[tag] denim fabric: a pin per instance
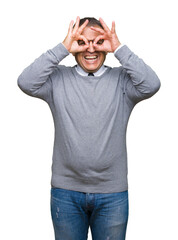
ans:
(74, 212)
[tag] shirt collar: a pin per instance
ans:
(83, 73)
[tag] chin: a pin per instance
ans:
(91, 70)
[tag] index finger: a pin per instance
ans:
(83, 26)
(98, 29)
(104, 25)
(81, 37)
(97, 39)
(76, 24)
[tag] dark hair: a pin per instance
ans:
(92, 22)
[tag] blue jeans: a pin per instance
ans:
(73, 212)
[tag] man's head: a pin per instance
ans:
(90, 60)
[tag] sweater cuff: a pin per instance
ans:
(60, 52)
(122, 54)
(121, 45)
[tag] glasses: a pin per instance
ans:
(81, 42)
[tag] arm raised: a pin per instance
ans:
(35, 79)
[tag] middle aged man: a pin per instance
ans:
(91, 104)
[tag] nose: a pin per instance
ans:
(91, 48)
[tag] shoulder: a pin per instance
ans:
(60, 70)
(59, 73)
(116, 70)
(63, 68)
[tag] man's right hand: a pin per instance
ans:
(74, 34)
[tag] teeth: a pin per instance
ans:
(91, 57)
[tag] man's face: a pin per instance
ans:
(90, 60)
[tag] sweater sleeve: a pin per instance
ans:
(139, 80)
(35, 79)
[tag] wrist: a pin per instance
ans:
(118, 44)
(121, 45)
(67, 45)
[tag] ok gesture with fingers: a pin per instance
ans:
(111, 41)
(74, 35)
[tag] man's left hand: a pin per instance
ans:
(111, 41)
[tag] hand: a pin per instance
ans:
(74, 35)
(111, 41)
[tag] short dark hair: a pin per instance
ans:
(92, 22)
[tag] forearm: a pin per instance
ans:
(142, 81)
(37, 74)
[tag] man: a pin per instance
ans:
(91, 104)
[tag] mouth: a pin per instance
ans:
(91, 58)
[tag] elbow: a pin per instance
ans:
(152, 87)
(20, 82)
(153, 82)
(156, 84)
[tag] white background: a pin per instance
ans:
(31, 27)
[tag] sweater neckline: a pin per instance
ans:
(90, 77)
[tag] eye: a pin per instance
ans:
(81, 42)
(100, 41)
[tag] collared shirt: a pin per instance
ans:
(98, 73)
(101, 70)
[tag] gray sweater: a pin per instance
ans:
(90, 117)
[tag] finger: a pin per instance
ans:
(82, 48)
(113, 27)
(70, 26)
(83, 26)
(97, 39)
(76, 24)
(97, 29)
(81, 37)
(98, 47)
(104, 25)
